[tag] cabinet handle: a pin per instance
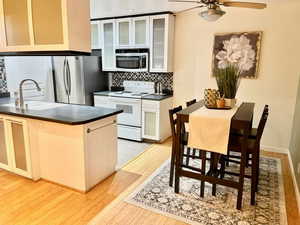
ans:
(89, 130)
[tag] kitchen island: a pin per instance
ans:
(71, 145)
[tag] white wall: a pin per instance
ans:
(279, 66)
(37, 68)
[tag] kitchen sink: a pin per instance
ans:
(37, 105)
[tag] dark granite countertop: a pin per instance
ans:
(153, 97)
(102, 93)
(66, 114)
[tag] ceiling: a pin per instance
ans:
(113, 8)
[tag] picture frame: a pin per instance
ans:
(240, 48)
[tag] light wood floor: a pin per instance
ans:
(23, 202)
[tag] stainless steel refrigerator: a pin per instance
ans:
(77, 77)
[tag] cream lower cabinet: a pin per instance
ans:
(75, 156)
(101, 150)
(4, 153)
(14, 147)
(155, 119)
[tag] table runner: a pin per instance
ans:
(209, 129)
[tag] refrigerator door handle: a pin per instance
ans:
(69, 78)
(65, 76)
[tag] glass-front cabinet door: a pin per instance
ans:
(150, 124)
(4, 154)
(140, 31)
(161, 43)
(96, 37)
(158, 43)
(108, 45)
(123, 32)
(19, 145)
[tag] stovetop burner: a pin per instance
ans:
(135, 89)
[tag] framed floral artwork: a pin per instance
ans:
(239, 49)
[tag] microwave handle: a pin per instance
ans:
(141, 62)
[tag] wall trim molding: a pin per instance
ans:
(297, 191)
(287, 152)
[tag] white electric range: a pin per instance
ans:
(130, 101)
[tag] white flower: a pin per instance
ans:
(237, 51)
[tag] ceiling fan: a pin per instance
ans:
(214, 11)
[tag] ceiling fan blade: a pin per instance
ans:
(189, 1)
(189, 9)
(251, 5)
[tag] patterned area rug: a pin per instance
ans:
(156, 195)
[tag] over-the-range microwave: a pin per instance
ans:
(132, 60)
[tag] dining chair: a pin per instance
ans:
(253, 149)
(253, 132)
(189, 103)
(173, 122)
(252, 135)
(192, 102)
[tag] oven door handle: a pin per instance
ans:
(125, 101)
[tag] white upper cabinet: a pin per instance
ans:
(140, 31)
(132, 32)
(123, 33)
(108, 45)
(96, 34)
(48, 25)
(155, 33)
(161, 43)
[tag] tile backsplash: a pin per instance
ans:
(166, 79)
(3, 82)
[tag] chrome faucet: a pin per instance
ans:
(21, 90)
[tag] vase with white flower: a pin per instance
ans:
(228, 81)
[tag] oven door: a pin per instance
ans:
(132, 62)
(131, 107)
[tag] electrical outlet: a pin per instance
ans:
(298, 168)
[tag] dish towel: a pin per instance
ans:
(209, 129)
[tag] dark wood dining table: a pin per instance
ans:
(242, 120)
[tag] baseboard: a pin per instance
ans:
(275, 149)
(287, 152)
(294, 181)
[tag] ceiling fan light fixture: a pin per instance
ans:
(212, 14)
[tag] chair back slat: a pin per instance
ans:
(192, 102)
(262, 123)
(173, 119)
